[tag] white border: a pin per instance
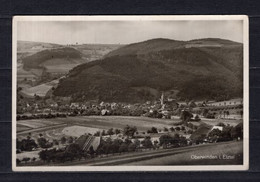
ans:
(245, 165)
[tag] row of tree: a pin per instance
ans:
(28, 144)
(228, 133)
(110, 132)
(40, 116)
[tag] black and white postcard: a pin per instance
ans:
(130, 93)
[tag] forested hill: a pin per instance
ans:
(196, 69)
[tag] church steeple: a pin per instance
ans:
(162, 98)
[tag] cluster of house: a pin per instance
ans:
(165, 105)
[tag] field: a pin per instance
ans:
(21, 127)
(77, 131)
(76, 126)
(234, 149)
(50, 129)
(106, 122)
(231, 122)
(37, 123)
(40, 90)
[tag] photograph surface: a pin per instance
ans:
(130, 93)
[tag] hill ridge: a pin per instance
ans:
(206, 71)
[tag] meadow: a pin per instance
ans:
(185, 158)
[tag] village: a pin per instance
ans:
(195, 123)
(41, 107)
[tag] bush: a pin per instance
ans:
(147, 143)
(63, 140)
(43, 143)
(172, 129)
(152, 130)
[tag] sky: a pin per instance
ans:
(126, 32)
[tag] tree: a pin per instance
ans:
(177, 128)
(110, 131)
(205, 112)
(63, 140)
(175, 139)
(215, 132)
(115, 145)
(185, 116)
(18, 161)
(103, 133)
(172, 129)
(224, 114)
(19, 89)
(26, 144)
(70, 140)
(131, 147)
(226, 134)
(153, 130)
(117, 131)
(26, 159)
(241, 113)
(183, 128)
(227, 113)
(165, 129)
(147, 143)
(42, 142)
(189, 131)
(43, 155)
(129, 131)
(221, 124)
(37, 97)
(137, 143)
(127, 141)
(165, 140)
(91, 151)
(182, 141)
(97, 133)
(33, 159)
(73, 150)
(237, 131)
(199, 139)
(55, 142)
(155, 143)
(123, 147)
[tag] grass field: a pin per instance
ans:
(231, 122)
(40, 90)
(186, 158)
(36, 123)
(75, 126)
(21, 127)
(77, 131)
(106, 122)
